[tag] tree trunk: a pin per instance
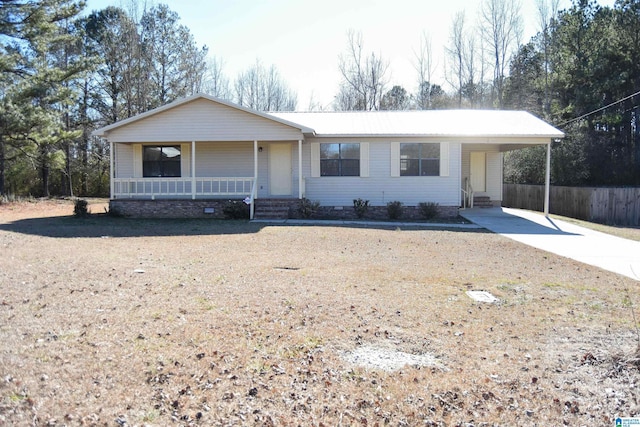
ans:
(45, 180)
(636, 146)
(67, 182)
(2, 166)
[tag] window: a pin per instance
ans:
(419, 159)
(339, 159)
(161, 161)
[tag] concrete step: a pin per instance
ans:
(482, 202)
(272, 214)
(272, 209)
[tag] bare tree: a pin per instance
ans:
(363, 77)
(471, 88)
(456, 55)
(547, 13)
(501, 28)
(263, 89)
(215, 82)
(314, 104)
(424, 67)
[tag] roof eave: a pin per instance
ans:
(422, 135)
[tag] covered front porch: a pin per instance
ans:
(207, 170)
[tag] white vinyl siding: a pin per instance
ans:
(395, 159)
(185, 160)
(295, 169)
(224, 159)
(203, 120)
(124, 161)
(137, 161)
(364, 159)
(263, 170)
(444, 159)
(494, 175)
(315, 159)
(379, 188)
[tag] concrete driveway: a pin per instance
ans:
(602, 250)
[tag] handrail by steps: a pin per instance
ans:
(467, 200)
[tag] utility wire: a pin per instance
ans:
(598, 110)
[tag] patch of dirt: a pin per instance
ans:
(114, 321)
(372, 357)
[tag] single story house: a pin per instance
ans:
(189, 157)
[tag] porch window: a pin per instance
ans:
(161, 161)
(340, 159)
(420, 159)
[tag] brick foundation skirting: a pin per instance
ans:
(168, 208)
(187, 208)
(380, 213)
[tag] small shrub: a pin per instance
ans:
(81, 208)
(428, 210)
(308, 208)
(394, 209)
(236, 209)
(360, 207)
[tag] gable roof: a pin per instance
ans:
(106, 129)
(445, 123)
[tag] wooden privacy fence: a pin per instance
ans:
(617, 205)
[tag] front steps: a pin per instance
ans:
(274, 208)
(482, 202)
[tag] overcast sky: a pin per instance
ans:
(303, 39)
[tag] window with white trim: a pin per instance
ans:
(161, 161)
(419, 159)
(340, 159)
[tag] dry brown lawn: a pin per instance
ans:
(111, 321)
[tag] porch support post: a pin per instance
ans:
(254, 187)
(300, 181)
(193, 170)
(547, 180)
(111, 170)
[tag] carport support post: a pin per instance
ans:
(547, 180)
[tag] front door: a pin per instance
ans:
(478, 171)
(280, 169)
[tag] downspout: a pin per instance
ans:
(547, 180)
(300, 182)
(111, 170)
(193, 170)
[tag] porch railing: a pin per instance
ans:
(182, 187)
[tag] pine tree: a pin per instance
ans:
(35, 34)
